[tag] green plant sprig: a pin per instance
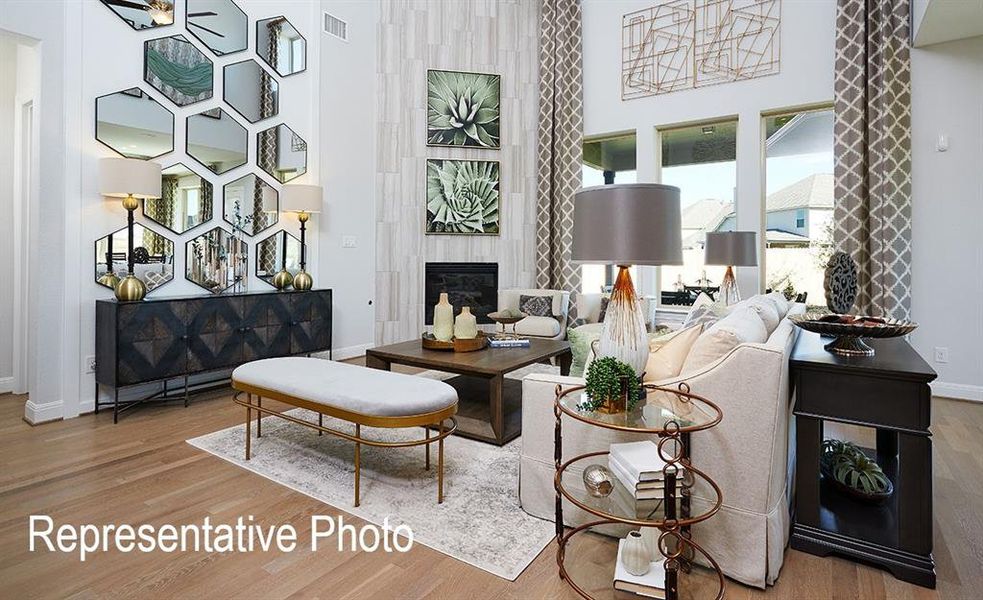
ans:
(604, 377)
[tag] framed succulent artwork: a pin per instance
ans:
(463, 109)
(462, 197)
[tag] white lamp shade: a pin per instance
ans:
(301, 198)
(122, 177)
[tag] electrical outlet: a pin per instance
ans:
(941, 354)
(90, 364)
(348, 241)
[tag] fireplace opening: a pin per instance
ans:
(466, 284)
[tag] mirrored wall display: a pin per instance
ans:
(185, 202)
(278, 252)
(251, 90)
(281, 153)
(216, 140)
(219, 24)
(178, 70)
(143, 14)
(281, 46)
(134, 124)
(153, 257)
(215, 259)
(251, 204)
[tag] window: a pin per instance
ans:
(607, 160)
(798, 201)
(701, 160)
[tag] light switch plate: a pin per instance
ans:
(348, 241)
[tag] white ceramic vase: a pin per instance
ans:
(623, 334)
(466, 325)
(650, 538)
(635, 555)
(443, 320)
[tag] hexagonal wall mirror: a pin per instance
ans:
(216, 140)
(278, 252)
(143, 14)
(153, 257)
(212, 258)
(177, 69)
(185, 202)
(250, 204)
(134, 124)
(251, 90)
(219, 24)
(281, 45)
(281, 153)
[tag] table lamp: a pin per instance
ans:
(731, 249)
(304, 200)
(130, 179)
(623, 225)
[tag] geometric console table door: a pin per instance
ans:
(162, 339)
(890, 393)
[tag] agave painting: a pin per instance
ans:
(462, 196)
(463, 109)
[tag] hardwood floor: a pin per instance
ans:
(141, 471)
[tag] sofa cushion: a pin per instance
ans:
(580, 339)
(766, 309)
(781, 303)
(668, 353)
(536, 306)
(741, 326)
(538, 326)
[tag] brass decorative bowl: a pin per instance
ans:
(849, 334)
(504, 319)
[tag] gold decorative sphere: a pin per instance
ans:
(282, 280)
(130, 289)
(303, 281)
(109, 280)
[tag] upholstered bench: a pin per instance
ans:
(359, 395)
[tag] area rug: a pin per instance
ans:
(480, 521)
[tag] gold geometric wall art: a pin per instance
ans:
(683, 44)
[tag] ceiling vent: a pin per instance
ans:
(336, 27)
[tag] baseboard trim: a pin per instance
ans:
(350, 351)
(44, 413)
(6, 385)
(959, 391)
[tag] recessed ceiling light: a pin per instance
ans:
(708, 129)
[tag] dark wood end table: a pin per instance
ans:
(489, 407)
(889, 392)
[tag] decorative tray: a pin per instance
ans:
(456, 344)
(849, 330)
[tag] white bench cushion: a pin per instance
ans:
(348, 387)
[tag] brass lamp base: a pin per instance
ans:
(303, 281)
(283, 280)
(130, 289)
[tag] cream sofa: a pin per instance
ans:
(747, 454)
(554, 327)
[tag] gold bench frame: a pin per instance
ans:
(426, 420)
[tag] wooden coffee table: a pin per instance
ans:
(489, 405)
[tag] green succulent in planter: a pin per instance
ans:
(463, 109)
(603, 388)
(462, 196)
(847, 465)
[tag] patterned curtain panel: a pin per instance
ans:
(873, 150)
(560, 144)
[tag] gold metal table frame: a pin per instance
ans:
(426, 421)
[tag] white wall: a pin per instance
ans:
(947, 212)
(806, 77)
(348, 166)
(8, 89)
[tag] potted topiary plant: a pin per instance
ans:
(849, 470)
(612, 387)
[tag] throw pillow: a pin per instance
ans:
(536, 306)
(668, 353)
(781, 302)
(741, 326)
(605, 300)
(766, 309)
(580, 339)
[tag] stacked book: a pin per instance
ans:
(638, 467)
(509, 343)
(652, 584)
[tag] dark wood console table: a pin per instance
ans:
(889, 392)
(162, 339)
